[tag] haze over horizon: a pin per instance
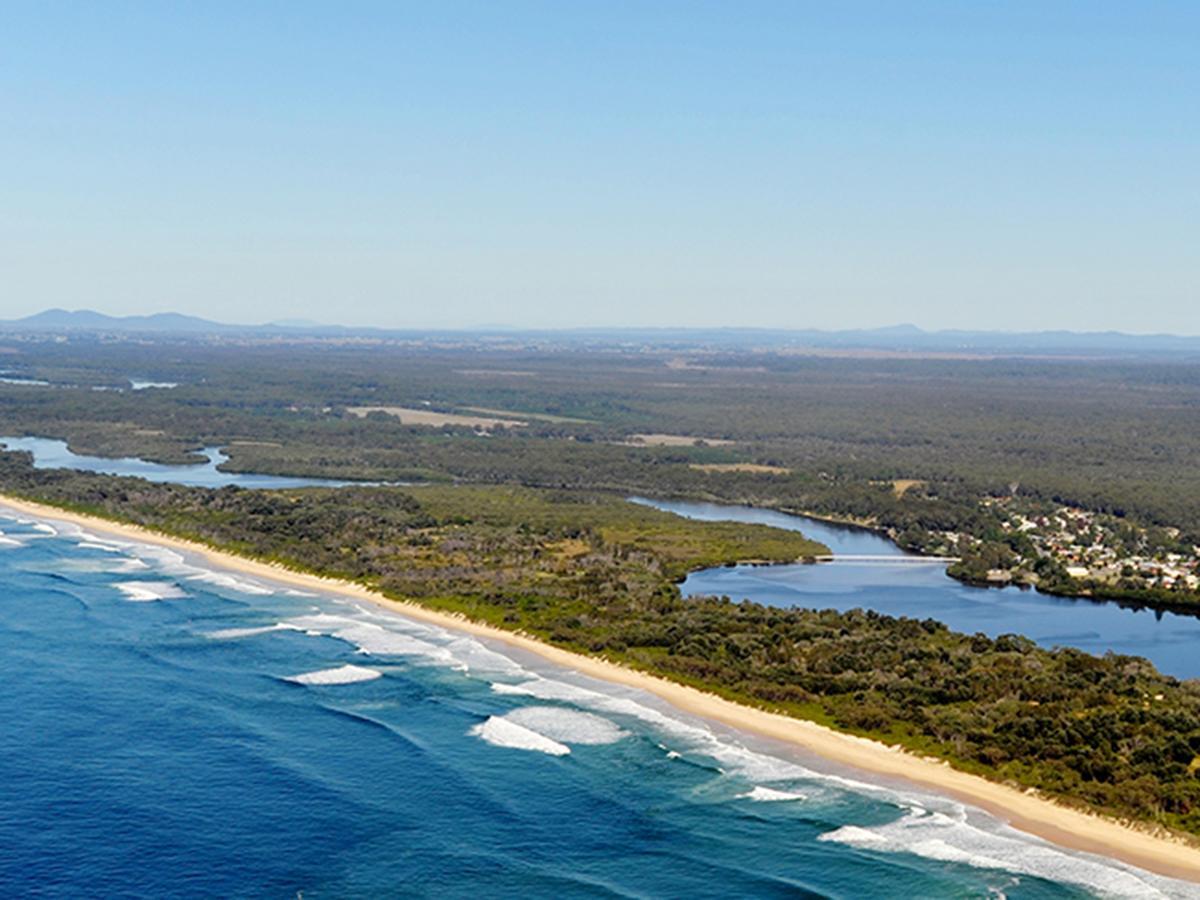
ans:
(891, 334)
(1016, 167)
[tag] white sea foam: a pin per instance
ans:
(568, 726)
(233, 633)
(440, 645)
(374, 639)
(750, 764)
(934, 835)
(147, 591)
(162, 558)
(45, 528)
(116, 566)
(550, 689)
(854, 836)
(81, 534)
(500, 732)
(943, 833)
(762, 794)
(225, 580)
(130, 561)
(347, 674)
(502, 688)
(386, 635)
(476, 657)
(6, 541)
(97, 545)
(171, 562)
(950, 837)
(109, 565)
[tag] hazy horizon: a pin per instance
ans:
(1015, 167)
(877, 330)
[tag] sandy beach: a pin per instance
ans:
(1044, 818)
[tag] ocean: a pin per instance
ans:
(171, 730)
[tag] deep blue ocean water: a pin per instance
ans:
(168, 730)
(923, 590)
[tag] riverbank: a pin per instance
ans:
(1067, 827)
(1157, 600)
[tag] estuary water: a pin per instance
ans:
(173, 730)
(903, 584)
(49, 453)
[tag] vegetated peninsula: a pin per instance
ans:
(1074, 475)
(593, 574)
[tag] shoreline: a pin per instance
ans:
(1086, 595)
(1067, 827)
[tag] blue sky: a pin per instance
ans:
(975, 164)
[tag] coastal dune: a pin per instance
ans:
(1037, 815)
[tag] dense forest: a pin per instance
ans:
(832, 436)
(595, 574)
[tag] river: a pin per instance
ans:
(908, 587)
(917, 589)
(49, 453)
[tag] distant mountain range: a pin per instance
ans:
(87, 320)
(896, 338)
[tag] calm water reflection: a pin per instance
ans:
(53, 454)
(1169, 640)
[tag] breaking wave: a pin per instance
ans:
(568, 726)
(233, 633)
(762, 794)
(925, 826)
(148, 591)
(347, 674)
(373, 639)
(501, 732)
(225, 580)
(950, 837)
(389, 635)
(693, 737)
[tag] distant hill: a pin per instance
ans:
(893, 339)
(89, 320)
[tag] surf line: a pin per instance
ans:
(1040, 816)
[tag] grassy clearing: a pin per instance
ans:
(673, 440)
(434, 419)
(752, 468)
